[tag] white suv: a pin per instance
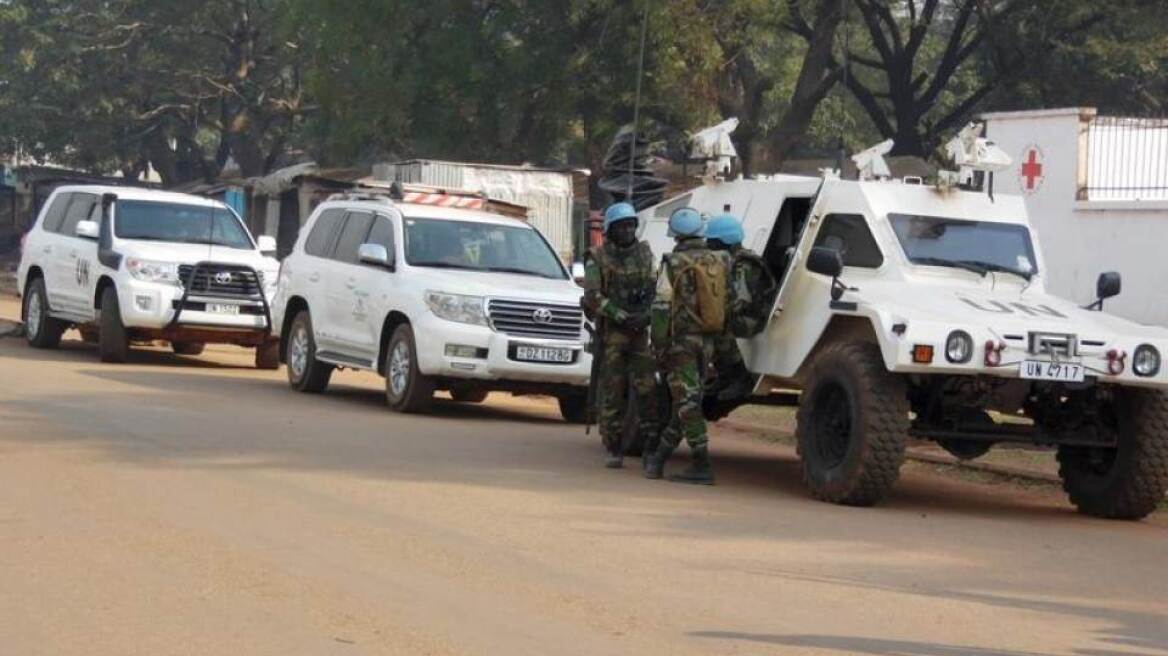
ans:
(432, 298)
(125, 264)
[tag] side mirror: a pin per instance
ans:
(825, 261)
(88, 229)
(1107, 286)
(375, 255)
(578, 272)
(266, 244)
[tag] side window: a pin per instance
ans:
(79, 210)
(849, 234)
(323, 233)
(356, 229)
(382, 233)
(56, 213)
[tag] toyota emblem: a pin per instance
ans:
(223, 278)
(542, 315)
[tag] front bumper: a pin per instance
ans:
(154, 306)
(433, 335)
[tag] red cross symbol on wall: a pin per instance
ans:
(1032, 170)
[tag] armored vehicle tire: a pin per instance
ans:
(113, 342)
(41, 330)
(305, 372)
(852, 425)
(406, 388)
(267, 356)
(468, 395)
(187, 348)
(1127, 482)
(574, 407)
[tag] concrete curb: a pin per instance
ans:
(917, 455)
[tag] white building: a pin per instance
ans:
(1096, 189)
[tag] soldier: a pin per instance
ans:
(752, 290)
(618, 287)
(688, 311)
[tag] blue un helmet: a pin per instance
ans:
(685, 222)
(618, 212)
(726, 228)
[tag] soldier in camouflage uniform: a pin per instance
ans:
(752, 290)
(683, 348)
(619, 279)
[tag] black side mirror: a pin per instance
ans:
(1107, 286)
(825, 261)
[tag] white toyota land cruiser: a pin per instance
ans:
(124, 264)
(432, 298)
(918, 310)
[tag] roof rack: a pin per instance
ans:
(369, 189)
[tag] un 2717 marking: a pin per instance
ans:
(1058, 371)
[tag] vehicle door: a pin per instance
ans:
(802, 309)
(76, 258)
(375, 287)
(343, 308)
(45, 244)
(310, 273)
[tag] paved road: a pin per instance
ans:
(196, 506)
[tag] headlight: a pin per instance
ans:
(268, 280)
(1146, 361)
(457, 307)
(153, 271)
(958, 347)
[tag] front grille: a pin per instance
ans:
(220, 280)
(519, 318)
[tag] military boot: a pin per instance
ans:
(615, 459)
(700, 472)
(652, 441)
(655, 465)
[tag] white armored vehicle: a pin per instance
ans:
(914, 310)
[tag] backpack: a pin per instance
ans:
(710, 276)
(750, 306)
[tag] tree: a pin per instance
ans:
(932, 62)
(114, 85)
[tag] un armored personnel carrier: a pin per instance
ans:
(920, 310)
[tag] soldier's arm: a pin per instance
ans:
(595, 301)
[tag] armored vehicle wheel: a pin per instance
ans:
(113, 342)
(41, 330)
(852, 425)
(187, 348)
(1127, 482)
(305, 372)
(407, 389)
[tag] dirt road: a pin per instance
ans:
(196, 506)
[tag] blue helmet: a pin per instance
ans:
(618, 212)
(685, 222)
(726, 228)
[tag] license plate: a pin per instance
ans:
(219, 308)
(543, 354)
(1058, 371)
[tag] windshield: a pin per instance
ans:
(480, 247)
(186, 224)
(979, 246)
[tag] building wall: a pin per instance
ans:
(1082, 238)
(548, 194)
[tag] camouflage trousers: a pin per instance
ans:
(627, 361)
(728, 361)
(684, 365)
